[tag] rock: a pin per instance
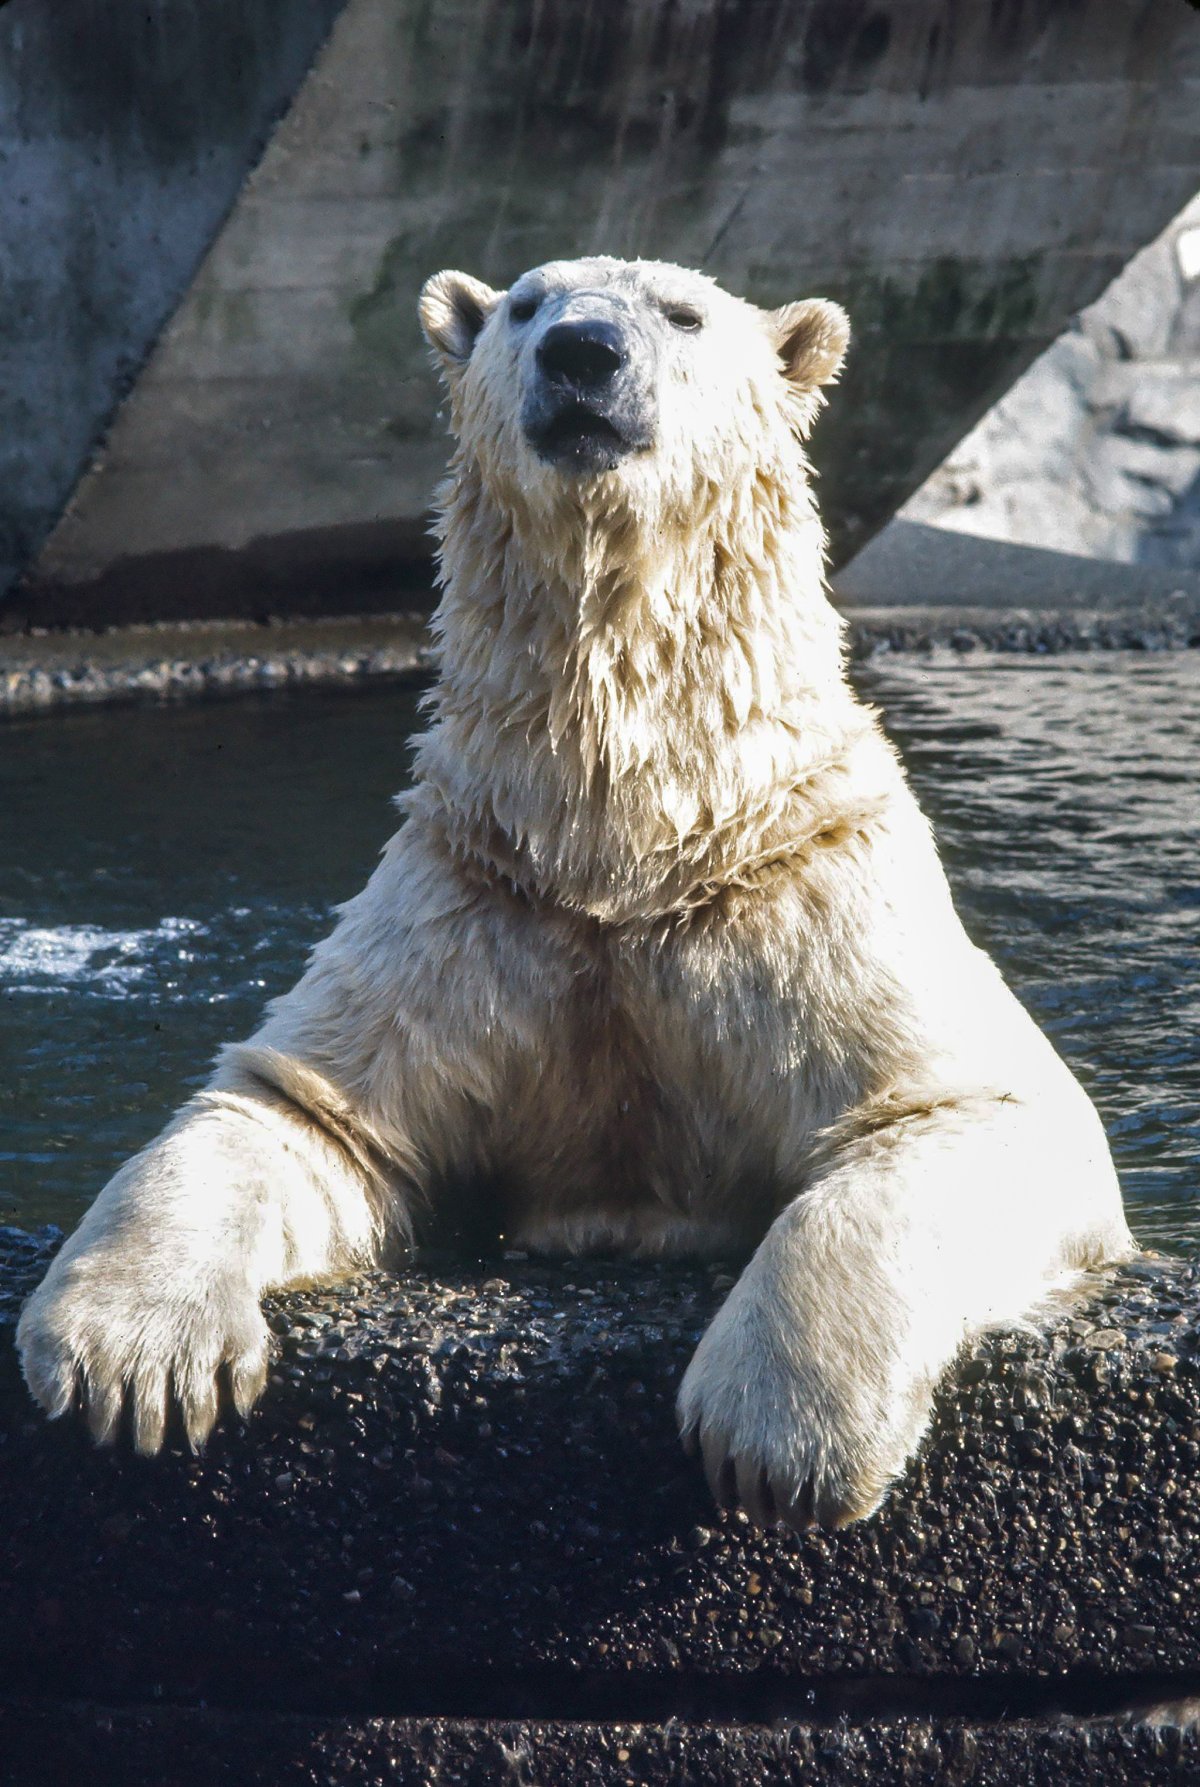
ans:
(1165, 405)
(210, 660)
(1094, 451)
(539, 1550)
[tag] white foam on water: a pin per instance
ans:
(48, 959)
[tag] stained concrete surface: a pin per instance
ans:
(963, 178)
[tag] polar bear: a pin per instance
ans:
(662, 959)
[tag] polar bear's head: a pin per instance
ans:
(637, 382)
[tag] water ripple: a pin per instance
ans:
(88, 959)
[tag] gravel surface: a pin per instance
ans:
(460, 1523)
(463, 1495)
(46, 1746)
(965, 630)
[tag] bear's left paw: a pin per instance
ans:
(799, 1434)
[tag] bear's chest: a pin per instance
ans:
(663, 1112)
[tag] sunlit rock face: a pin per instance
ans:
(1096, 450)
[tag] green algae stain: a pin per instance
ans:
(953, 300)
(382, 317)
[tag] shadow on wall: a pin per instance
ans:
(1174, 540)
(125, 135)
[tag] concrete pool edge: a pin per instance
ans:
(53, 672)
(461, 1519)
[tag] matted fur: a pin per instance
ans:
(662, 958)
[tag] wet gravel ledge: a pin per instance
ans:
(47, 1744)
(1152, 628)
(48, 672)
(463, 1497)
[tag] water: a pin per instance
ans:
(1064, 792)
(163, 871)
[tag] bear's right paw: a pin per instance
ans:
(106, 1340)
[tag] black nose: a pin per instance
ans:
(583, 354)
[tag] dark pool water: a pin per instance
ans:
(164, 870)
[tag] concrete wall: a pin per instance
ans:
(125, 133)
(962, 176)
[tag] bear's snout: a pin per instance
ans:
(586, 355)
(589, 402)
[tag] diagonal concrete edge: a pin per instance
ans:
(125, 135)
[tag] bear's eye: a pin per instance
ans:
(681, 316)
(521, 309)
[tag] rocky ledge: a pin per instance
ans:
(1025, 615)
(210, 660)
(460, 1527)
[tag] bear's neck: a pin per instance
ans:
(633, 711)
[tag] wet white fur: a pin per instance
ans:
(664, 939)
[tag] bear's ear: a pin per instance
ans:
(453, 309)
(811, 339)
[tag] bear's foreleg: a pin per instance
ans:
(306, 1157)
(812, 1388)
(155, 1296)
